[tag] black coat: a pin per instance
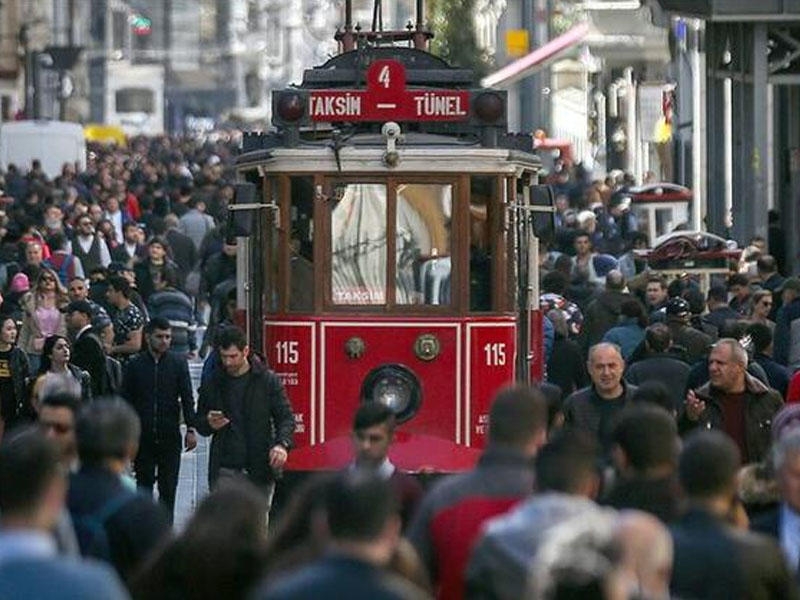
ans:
(566, 367)
(158, 391)
(133, 531)
(184, 252)
(268, 420)
(715, 561)
(20, 378)
(87, 353)
(664, 368)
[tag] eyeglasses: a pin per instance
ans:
(59, 428)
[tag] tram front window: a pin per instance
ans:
(358, 244)
(423, 243)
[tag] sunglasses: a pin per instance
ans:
(50, 279)
(59, 428)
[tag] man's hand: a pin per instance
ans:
(217, 420)
(278, 456)
(190, 441)
(694, 406)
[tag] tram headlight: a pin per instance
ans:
(291, 106)
(489, 106)
(396, 387)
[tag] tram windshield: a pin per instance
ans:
(421, 233)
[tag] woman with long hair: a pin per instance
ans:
(42, 316)
(14, 376)
(54, 365)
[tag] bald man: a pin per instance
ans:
(594, 408)
(646, 553)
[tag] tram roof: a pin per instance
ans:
(418, 153)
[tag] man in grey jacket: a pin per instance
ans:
(566, 483)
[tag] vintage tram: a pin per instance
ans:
(388, 251)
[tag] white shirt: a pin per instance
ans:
(789, 535)
(384, 471)
(86, 244)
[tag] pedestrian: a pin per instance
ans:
(56, 364)
(87, 350)
(712, 559)
(128, 320)
(645, 454)
(362, 519)
(566, 485)
(42, 315)
(660, 365)
(594, 408)
(113, 523)
(695, 343)
(156, 382)
(244, 407)
(719, 311)
(15, 407)
(32, 491)
(220, 553)
(628, 333)
(603, 312)
(373, 434)
(787, 334)
(88, 246)
(450, 516)
(761, 309)
(777, 375)
(733, 401)
(566, 367)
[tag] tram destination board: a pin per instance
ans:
(387, 99)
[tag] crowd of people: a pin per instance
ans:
(660, 456)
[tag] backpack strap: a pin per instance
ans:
(110, 508)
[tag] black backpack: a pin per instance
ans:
(90, 529)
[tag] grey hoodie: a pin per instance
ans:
(502, 557)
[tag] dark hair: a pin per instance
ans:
(230, 336)
(161, 323)
(370, 414)
(47, 350)
(648, 436)
(29, 461)
(761, 336)
(766, 263)
(733, 329)
(555, 282)
(106, 428)
(518, 413)
(358, 505)
(566, 461)
(658, 337)
(697, 303)
(738, 279)
(57, 241)
(718, 293)
(659, 280)
(677, 287)
(232, 517)
(120, 284)
(582, 233)
(633, 309)
(62, 399)
(656, 393)
(708, 464)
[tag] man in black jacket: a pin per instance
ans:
(87, 350)
(712, 559)
(244, 407)
(157, 383)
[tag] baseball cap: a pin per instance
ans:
(81, 306)
(677, 307)
(793, 283)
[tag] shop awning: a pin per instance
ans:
(538, 59)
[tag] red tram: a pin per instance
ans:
(388, 250)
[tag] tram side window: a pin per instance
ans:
(358, 244)
(482, 190)
(301, 245)
(423, 243)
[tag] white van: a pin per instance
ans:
(52, 142)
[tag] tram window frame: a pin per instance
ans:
(324, 237)
(497, 240)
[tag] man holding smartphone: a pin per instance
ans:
(244, 407)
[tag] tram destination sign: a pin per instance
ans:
(387, 99)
